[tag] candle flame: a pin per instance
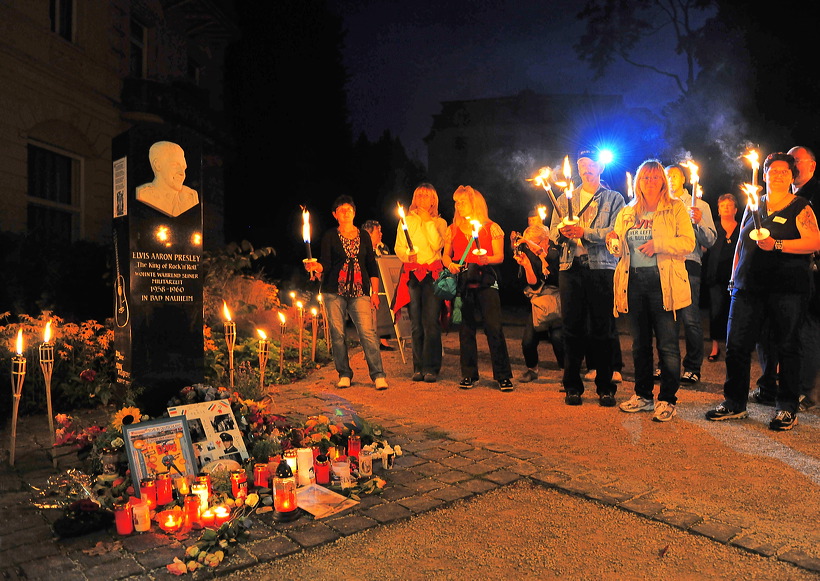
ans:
(305, 225)
(319, 297)
(401, 215)
(225, 311)
(542, 212)
(282, 318)
(314, 311)
(567, 168)
(752, 199)
(476, 227)
(47, 333)
(262, 334)
(753, 158)
(20, 342)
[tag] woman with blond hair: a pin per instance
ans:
(652, 237)
(478, 283)
(422, 265)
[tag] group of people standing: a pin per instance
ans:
(608, 256)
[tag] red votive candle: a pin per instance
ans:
(354, 445)
(148, 491)
(208, 518)
(221, 515)
(191, 510)
(239, 484)
(322, 468)
(124, 518)
(261, 475)
(165, 489)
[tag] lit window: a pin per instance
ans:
(53, 195)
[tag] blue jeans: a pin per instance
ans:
(425, 308)
(586, 310)
(647, 317)
(690, 318)
(362, 315)
(784, 312)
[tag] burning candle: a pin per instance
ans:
(205, 479)
(301, 308)
(230, 338)
(404, 227)
(284, 493)
(542, 179)
(754, 161)
(200, 490)
(281, 343)
(753, 205)
(208, 518)
(47, 367)
(239, 484)
(322, 469)
(170, 520)
(354, 445)
(222, 514)
(18, 377)
(694, 179)
(478, 250)
(313, 330)
(264, 348)
(570, 218)
(148, 491)
(306, 234)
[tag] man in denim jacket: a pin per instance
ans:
(585, 279)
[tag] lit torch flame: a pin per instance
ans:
(542, 212)
(305, 225)
(20, 342)
(262, 334)
(694, 178)
(225, 312)
(47, 333)
(282, 318)
(752, 199)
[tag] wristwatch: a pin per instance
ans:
(778, 245)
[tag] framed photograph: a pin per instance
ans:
(157, 446)
(215, 434)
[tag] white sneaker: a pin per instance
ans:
(664, 411)
(637, 404)
(343, 382)
(381, 383)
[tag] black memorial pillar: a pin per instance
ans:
(158, 300)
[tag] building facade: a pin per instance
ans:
(76, 73)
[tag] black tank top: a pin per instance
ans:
(759, 270)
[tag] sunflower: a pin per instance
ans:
(125, 417)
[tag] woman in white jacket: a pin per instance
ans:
(652, 237)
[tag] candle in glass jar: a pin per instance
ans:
(221, 515)
(124, 518)
(366, 463)
(148, 491)
(170, 521)
(191, 510)
(239, 484)
(260, 475)
(142, 516)
(165, 489)
(354, 445)
(322, 469)
(208, 518)
(201, 491)
(205, 479)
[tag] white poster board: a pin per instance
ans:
(214, 431)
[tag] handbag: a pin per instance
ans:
(446, 285)
(546, 306)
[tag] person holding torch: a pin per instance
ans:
(350, 287)
(771, 282)
(419, 243)
(585, 280)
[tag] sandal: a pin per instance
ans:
(714, 356)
